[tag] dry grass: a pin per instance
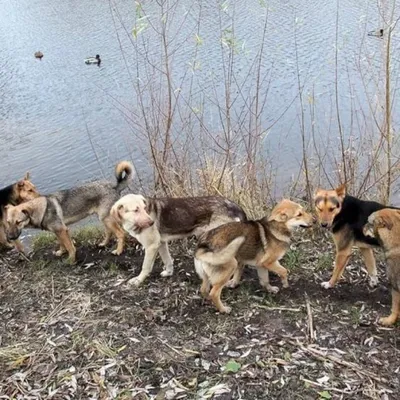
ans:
(81, 332)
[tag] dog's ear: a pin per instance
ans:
(341, 190)
(27, 176)
(384, 221)
(115, 212)
(279, 216)
(316, 191)
(26, 212)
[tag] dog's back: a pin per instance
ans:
(189, 214)
(354, 214)
(94, 197)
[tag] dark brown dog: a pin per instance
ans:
(17, 193)
(260, 243)
(384, 225)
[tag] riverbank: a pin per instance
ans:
(80, 331)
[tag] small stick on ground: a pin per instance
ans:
(323, 356)
(310, 321)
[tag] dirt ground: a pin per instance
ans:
(80, 332)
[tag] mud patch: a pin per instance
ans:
(81, 332)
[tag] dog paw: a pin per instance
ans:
(58, 253)
(373, 281)
(232, 284)
(326, 285)
(225, 310)
(166, 273)
(135, 282)
(102, 244)
(116, 252)
(272, 289)
(387, 321)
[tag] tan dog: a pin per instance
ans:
(155, 222)
(384, 225)
(43, 213)
(346, 216)
(17, 193)
(261, 244)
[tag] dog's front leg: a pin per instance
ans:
(167, 260)
(148, 262)
(341, 259)
(263, 276)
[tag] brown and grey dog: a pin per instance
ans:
(155, 222)
(43, 213)
(221, 252)
(14, 194)
(346, 216)
(72, 205)
(384, 225)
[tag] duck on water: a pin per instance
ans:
(93, 60)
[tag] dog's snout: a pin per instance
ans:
(151, 222)
(324, 224)
(12, 235)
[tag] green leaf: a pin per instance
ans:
(232, 366)
(325, 395)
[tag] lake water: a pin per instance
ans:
(65, 121)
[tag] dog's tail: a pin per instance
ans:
(123, 172)
(209, 256)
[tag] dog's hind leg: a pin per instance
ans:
(219, 279)
(113, 228)
(167, 260)
(237, 276)
(369, 259)
(60, 251)
(66, 242)
(205, 284)
(392, 318)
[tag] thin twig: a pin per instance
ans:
(310, 322)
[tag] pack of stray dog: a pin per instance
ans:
(227, 240)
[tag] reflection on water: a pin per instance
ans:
(60, 116)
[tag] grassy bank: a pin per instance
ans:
(81, 332)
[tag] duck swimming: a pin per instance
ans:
(39, 55)
(377, 33)
(93, 60)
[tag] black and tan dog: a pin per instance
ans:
(260, 243)
(384, 225)
(346, 216)
(14, 194)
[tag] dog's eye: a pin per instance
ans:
(320, 209)
(331, 209)
(300, 214)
